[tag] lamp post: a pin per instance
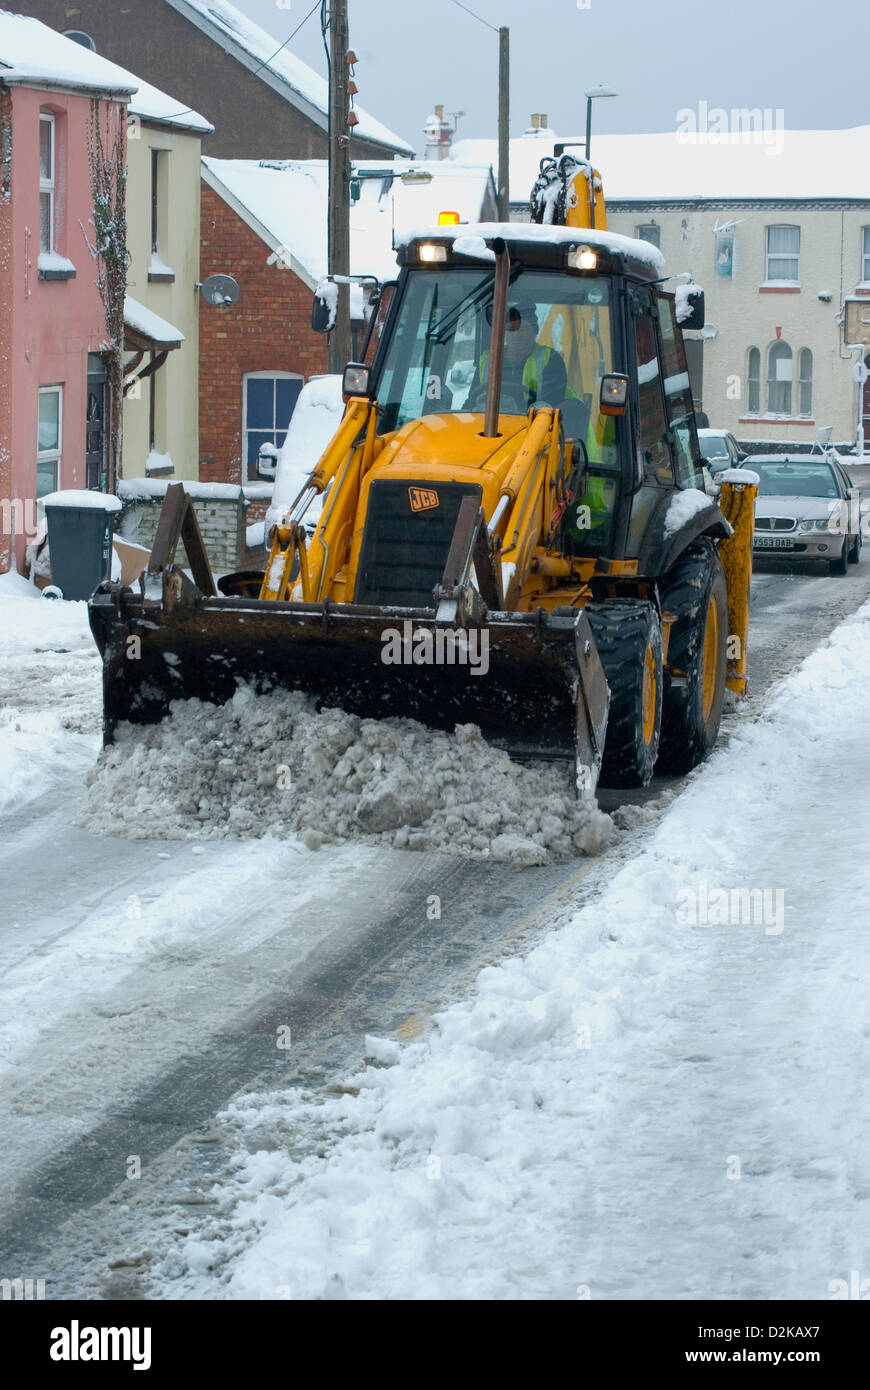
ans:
(590, 97)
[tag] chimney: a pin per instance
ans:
(439, 133)
(537, 123)
(544, 121)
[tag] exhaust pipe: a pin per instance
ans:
(496, 342)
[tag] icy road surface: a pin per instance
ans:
(145, 983)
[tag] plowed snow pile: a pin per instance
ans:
(273, 765)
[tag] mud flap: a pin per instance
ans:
(534, 685)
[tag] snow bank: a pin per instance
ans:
(49, 691)
(317, 415)
(576, 1127)
(272, 765)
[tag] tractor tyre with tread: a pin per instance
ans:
(695, 590)
(628, 635)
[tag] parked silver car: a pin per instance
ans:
(806, 509)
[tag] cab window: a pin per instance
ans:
(678, 397)
(652, 423)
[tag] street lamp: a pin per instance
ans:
(590, 97)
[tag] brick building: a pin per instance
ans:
(265, 224)
(246, 349)
(216, 60)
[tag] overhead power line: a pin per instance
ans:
(493, 27)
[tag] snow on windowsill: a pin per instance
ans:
(781, 286)
(158, 269)
(159, 463)
(775, 420)
(52, 266)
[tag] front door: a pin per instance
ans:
(96, 418)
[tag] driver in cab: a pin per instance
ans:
(530, 372)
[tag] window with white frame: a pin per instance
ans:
(268, 401)
(651, 232)
(783, 254)
(865, 254)
(779, 379)
(753, 382)
(46, 181)
(805, 383)
(50, 439)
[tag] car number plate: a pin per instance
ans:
(773, 542)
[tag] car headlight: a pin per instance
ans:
(806, 525)
(823, 525)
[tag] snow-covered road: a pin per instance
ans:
(145, 981)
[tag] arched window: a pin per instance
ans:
(779, 378)
(753, 382)
(805, 372)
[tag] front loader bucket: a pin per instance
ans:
(533, 684)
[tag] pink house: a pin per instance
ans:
(53, 392)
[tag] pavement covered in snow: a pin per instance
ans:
(49, 691)
(665, 1096)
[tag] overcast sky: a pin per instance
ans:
(659, 55)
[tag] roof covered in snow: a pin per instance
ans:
(678, 166)
(285, 202)
(32, 54)
(264, 56)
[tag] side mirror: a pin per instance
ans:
(324, 307)
(356, 380)
(613, 396)
(690, 307)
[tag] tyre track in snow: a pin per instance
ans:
(357, 955)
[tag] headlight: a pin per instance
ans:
(806, 525)
(823, 525)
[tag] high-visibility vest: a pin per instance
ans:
(533, 368)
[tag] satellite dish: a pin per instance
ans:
(220, 290)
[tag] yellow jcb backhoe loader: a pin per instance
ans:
(514, 529)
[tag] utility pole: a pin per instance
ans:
(504, 111)
(339, 346)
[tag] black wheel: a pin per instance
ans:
(855, 552)
(839, 565)
(628, 635)
(695, 590)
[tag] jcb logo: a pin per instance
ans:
(422, 499)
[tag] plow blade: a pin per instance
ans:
(534, 685)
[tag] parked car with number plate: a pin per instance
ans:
(805, 510)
